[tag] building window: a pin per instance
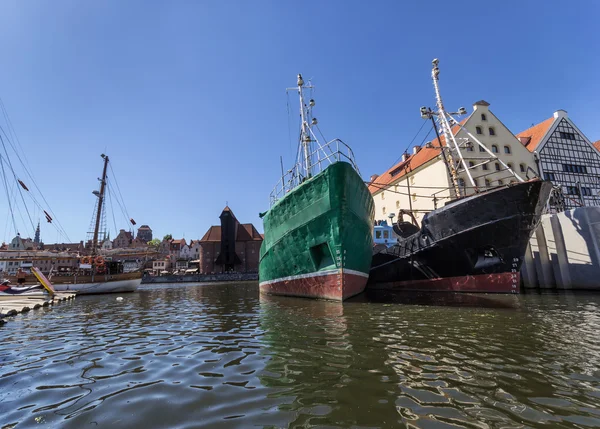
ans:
(572, 190)
(573, 168)
(507, 149)
(397, 204)
(549, 176)
(488, 183)
(484, 166)
(567, 136)
(471, 164)
(500, 182)
(470, 147)
(483, 117)
(383, 210)
(481, 149)
(587, 192)
(494, 148)
(492, 131)
(523, 168)
(461, 182)
(497, 166)
(414, 197)
(383, 195)
(475, 181)
(510, 165)
(478, 130)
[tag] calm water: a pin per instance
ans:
(177, 356)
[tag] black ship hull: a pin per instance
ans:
(474, 244)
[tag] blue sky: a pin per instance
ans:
(188, 97)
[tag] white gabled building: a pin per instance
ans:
(566, 157)
(420, 182)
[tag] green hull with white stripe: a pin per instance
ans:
(323, 225)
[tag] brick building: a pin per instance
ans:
(144, 233)
(123, 240)
(230, 246)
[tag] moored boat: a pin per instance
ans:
(475, 243)
(318, 231)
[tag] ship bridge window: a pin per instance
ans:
(378, 234)
(494, 148)
(386, 234)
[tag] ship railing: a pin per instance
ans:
(329, 153)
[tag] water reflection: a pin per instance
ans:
(191, 356)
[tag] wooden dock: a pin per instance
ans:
(23, 305)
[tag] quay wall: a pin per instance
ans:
(564, 252)
(202, 278)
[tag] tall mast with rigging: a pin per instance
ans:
(305, 138)
(452, 153)
(100, 196)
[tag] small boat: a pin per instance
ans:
(318, 231)
(475, 243)
(10, 292)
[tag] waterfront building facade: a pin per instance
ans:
(144, 233)
(123, 239)
(420, 181)
(230, 246)
(566, 157)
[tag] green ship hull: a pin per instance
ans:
(319, 237)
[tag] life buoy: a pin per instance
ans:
(85, 260)
(99, 260)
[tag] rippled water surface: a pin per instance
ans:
(188, 356)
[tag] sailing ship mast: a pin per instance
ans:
(100, 196)
(452, 153)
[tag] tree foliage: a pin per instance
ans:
(154, 243)
(167, 237)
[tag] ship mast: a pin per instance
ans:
(305, 139)
(452, 154)
(100, 201)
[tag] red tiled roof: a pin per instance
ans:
(213, 234)
(532, 137)
(597, 144)
(245, 232)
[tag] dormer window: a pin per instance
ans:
(494, 148)
(478, 130)
(483, 117)
(492, 131)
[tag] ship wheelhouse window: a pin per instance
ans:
(483, 117)
(386, 234)
(478, 130)
(507, 149)
(378, 234)
(492, 131)
(494, 148)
